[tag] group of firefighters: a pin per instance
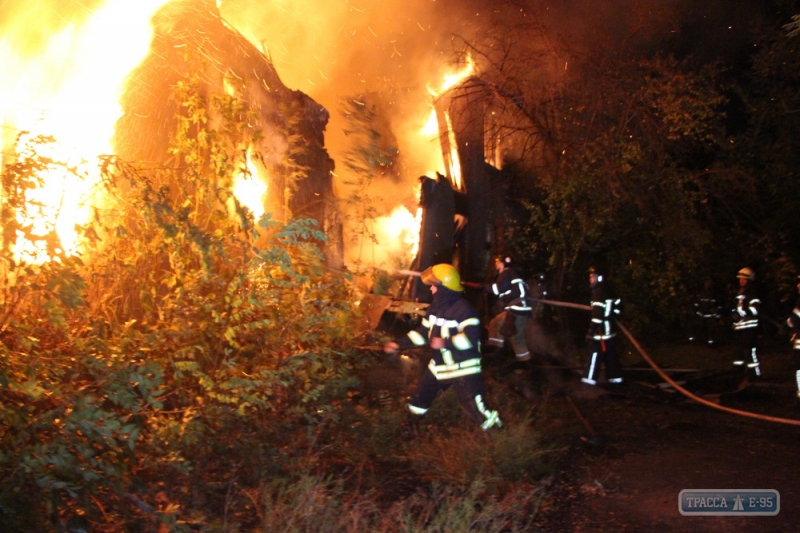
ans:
(452, 329)
(746, 316)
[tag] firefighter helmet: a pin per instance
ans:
(598, 274)
(443, 275)
(505, 259)
(746, 273)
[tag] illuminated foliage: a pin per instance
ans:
(170, 335)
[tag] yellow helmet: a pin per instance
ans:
(442, 275)
(746, 273)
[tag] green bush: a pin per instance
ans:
(178, 330)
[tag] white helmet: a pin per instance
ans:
(746, 273)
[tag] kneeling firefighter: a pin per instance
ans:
(453, 331)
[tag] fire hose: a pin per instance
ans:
(650, 362)
(669, 380)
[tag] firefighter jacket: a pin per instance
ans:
(745, 314)
(604, 308)
(512, 291)
(706, 307)
(452, 318)
(794, 323)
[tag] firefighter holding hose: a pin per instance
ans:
(513, 293)
(602, 332)
(452, 329)
(745, 322)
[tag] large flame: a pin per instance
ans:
(68, 88)
(453, 160)
(396, 240)
(249, 189)
(451, 79)
(400, 230)
(66, 83)
(433, 128)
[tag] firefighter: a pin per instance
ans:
(452, 329)
(538, 291)
(602, 332)
(794, 323)
(745, 322)
(706, 315)
(512, 292)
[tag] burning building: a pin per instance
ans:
(129, 80)
(284, 127)
(192, 56)
(462, 222)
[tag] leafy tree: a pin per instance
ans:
(763, 154)
(608, 146)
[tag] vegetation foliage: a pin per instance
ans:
(665, 171)
(195, 368)
(175, 375)
(171, 331)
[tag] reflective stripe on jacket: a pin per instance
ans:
(746, 311)
(452, 318)
(512, 291)
(794, 323)
(604, 308)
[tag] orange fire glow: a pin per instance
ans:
(432, 128)
(398, 234)
(66, 83)
(69, 88)
(454, 78)
(249, 189)
(400, 230)
(453, 160)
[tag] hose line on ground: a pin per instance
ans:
(669, 380)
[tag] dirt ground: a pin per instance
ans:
(638, 447)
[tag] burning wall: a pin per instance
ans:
(62, 65)
(286, 127)
(340, 50)
(374, 48)
(70, 71)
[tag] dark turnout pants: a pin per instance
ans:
(603, 352)
(470, 391)
(746, 354)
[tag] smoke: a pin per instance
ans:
(337, 49)
(384, 53)
(388, 53)
(333, 48)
